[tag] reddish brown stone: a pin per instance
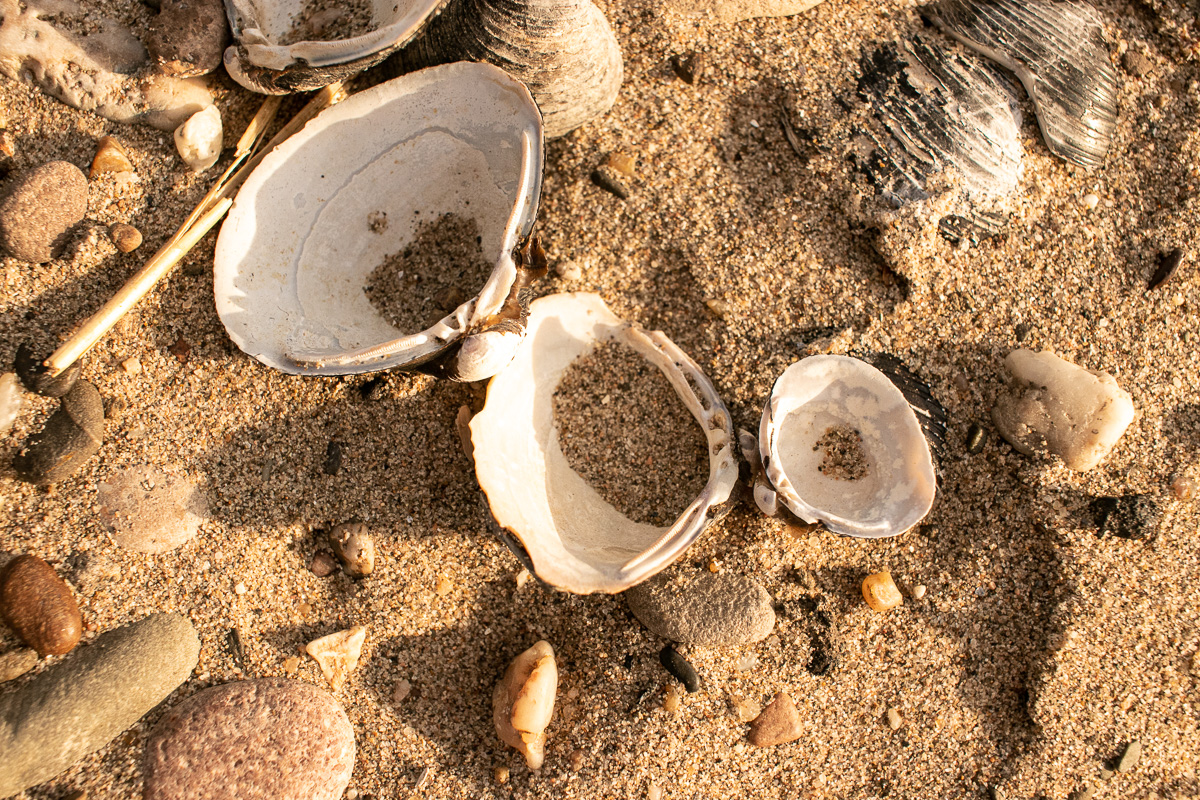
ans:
(39, 606)
(778, 723)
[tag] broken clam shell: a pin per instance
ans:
(842, 446)
(572, 537)
(286, 46)
(295, 255)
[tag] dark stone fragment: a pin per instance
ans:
(1136, 64)
(71, 436)
(1022, 331)
(678, 666)
(333, 459)
(1134, 516)
(182, 349)
(234, 640)
(35, 375)
(976, 438)
(1168, 265)
(607, 180)
(188, 37)
(689, 66)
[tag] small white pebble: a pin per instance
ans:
(240, 588)
(919, 591)
(894, 719)
(523, 578)
(654, 792)
(1090, 200)
(1102, 322)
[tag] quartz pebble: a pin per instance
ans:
(10, 400)
(703, 608)
(199, 139)
(338, 654)
(1053, 405)
(188, 37)
(149, 511)
(264, 738)
(354, 547)
(39, 606)
(40, 210)
(778, 723)
(880, 591)
(79, 705)
(322, 564)
(126, 237)
(523, 702)
(110, 157)
(894, 720)
(16, 663)
(71, 436)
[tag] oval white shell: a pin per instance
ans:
(295, 252)
(575, 539)
(823, 392)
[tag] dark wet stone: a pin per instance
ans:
(71, 436)
(701, 608)
(81, 704)
(976, 438)
(608, 180)
(34, 374)
(268, 738)
(39, 606)
(1168, 265)
(40, 209)
(333, 459)
(678, 666)
(188, 37)
(1133, 516)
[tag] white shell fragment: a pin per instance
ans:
(199, 139)
(294, 257)
(842, 446)
(149, 511)
(285, 46)
(1053, 405)
(574, 538)
(337, 654)
(523, 702)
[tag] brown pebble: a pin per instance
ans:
(39, 606)
(1136, 64)
(778, 723)
(71, 436)
(323, 564)
(16, 663)
(689, 66)
(1183, 487)
(110, 157)
(41, 208)
(126, 237)
(188, 37)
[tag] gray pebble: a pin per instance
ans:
(264, 738)
(71, 436)
(16, 663)
(82, 703)
(702, 608)
(1131, 756)
(41, 208)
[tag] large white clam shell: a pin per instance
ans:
(826, 392)
(296, 250)
(575, 539)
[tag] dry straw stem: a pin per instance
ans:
(203, 218)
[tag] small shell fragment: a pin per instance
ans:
(337, 654)
(880, 591)
(523, 702)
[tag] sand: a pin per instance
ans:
(1038, 650)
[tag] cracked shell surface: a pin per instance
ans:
(574, 539)
(294, 256)
(887, 486)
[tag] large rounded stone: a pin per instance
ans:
(81, 704)
(265, 738)
(703, 609)
(40, 210)
(71, 436)
(39, 606)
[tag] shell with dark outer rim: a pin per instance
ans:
(563, 50)
(294, 257)
(1057, 49)
(571, 537)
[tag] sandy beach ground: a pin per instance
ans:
(1039, 649)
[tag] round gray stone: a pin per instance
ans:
(263, 738)
(703, 608)
(82, 703)
(40, 210)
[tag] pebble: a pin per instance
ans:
(71, 436)
(8, 145)
(919, 591)
(679, 667)
(16, 663)
(291, 664)
(1133, 516)
(149, 511)
(41, 208)
(199, 139)
(1131, 756)
(501, 774)
(188, 37)
(126, 237)
(263, 738)
(82, 703)
(10, 400)
(880, 591)
(894, 719)
(35, 375)
(323, 564)
(703, 608)
(337, 654)
(1053, 405)
(689, 66)
(39, 606)
(1136, 64)
(569, 270)
(401, 691)
(778, 723)
(110, 157)
(354, 547)
(976, 438)
(610, 181)
(1183, 487)
(1090, 201)
(1168, 266)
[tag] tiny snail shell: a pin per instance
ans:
(880, 592)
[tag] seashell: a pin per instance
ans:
(523, 702)
(941, 117)
(1057, 50)
(563, 50)
(353, 545)
(337, 654)
(295, 257)
(881, 592)
(841, 445)
(288, 46)
(71, 436)
(568, 535)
